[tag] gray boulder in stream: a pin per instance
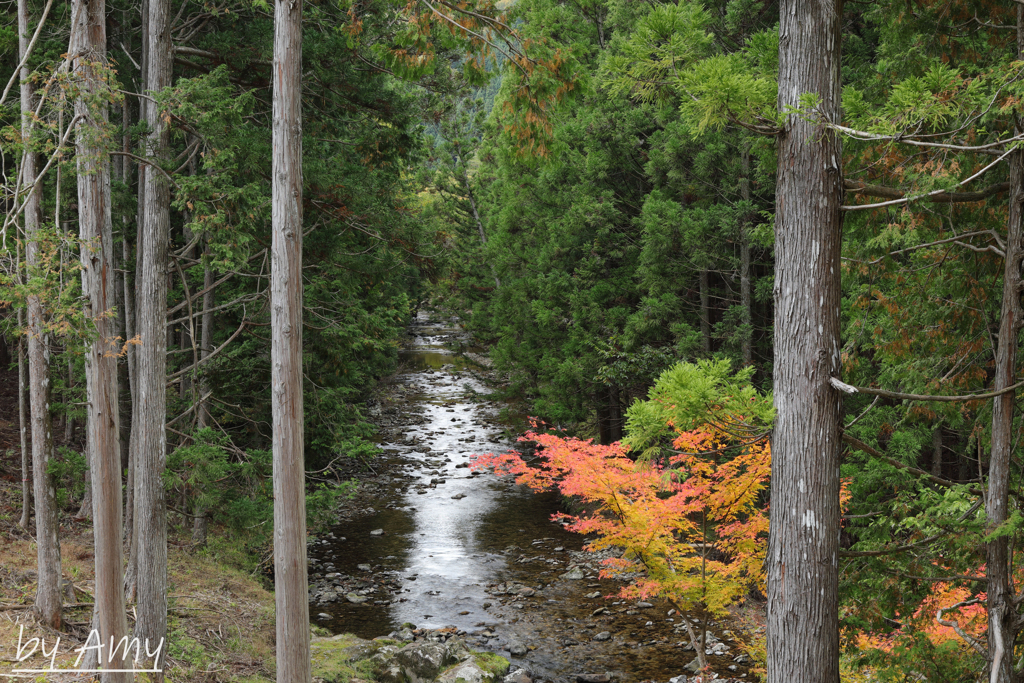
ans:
(474, 671)
(423, 661)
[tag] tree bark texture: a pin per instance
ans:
(290, 583)
(1001, 630)
(88, 49)
(150, 455)
(803, 634)
(48, 599)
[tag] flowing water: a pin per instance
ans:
(440, 545)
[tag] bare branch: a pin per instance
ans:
(975, 233)
(860, 445)
(28, 52)
(992, 248)
(244, 299)
(914, 142)
(909, 546)
(956, 626)
(183, 304)
(943, 197)
(179, 373)
(147, 162)
(927, 195)
(191, 408)
(858, 418)
(850, 389)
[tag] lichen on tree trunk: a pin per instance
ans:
(803, 629)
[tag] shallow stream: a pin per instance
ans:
(436, 545)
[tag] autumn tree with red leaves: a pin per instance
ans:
(681, 498)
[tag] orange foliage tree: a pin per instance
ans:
(681, 497)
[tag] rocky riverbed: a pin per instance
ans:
(430, 549)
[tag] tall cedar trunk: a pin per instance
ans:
(150, 454)
(129, 503)
(48, 599)
(120, 274)
(705, 313)
(746, 345)
(290, 584)
(88, 48)
(1002, 632)
(26, 474)
(129, 287)
(131, 578)
(803, 633)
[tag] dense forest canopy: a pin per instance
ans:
(599, 189)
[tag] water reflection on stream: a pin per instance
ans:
(443, 540)
(447, 534)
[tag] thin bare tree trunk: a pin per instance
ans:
(129, 287)
(199, 524)
(705, 312)
(69, 420)
(803, 546)
(26, 474)
(1002, 630)
(479, 222)
(133, 374)
(614, 414)
(746, 345)
(85, 509)
(290, 582)
(206, 340)
(132, 414)
(131, 572)
(120, 275)
(48, 598)
(88, 49)
(937, 450)
(151, 453)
